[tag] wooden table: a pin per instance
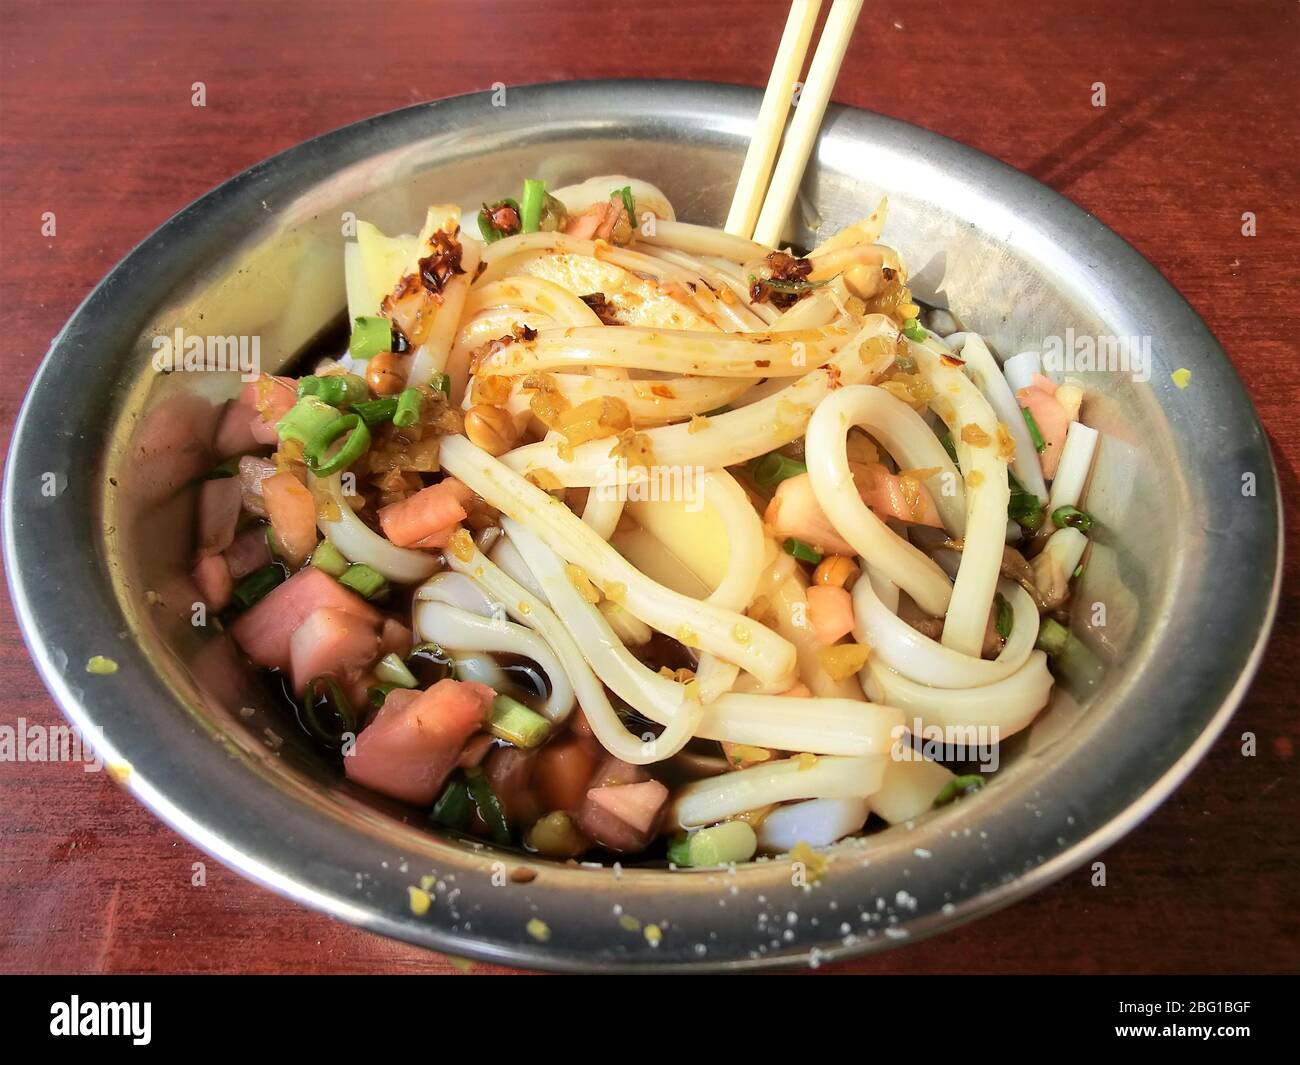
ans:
(1199, 127)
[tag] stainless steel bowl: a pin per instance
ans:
(1187, 560)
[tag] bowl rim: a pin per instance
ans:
(251, 857)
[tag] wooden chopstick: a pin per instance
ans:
(807, 121)
(777, 99)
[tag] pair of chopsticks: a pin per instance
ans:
(752, 214)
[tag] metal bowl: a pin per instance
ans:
(99, 501)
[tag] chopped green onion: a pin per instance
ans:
(376, 411)
(489, 232)
(913, 330)
(731, 841)
(554, 215)
(101, 666)
(802, 551)
(454, 806)
(679, 851)
(1005, 617)
(356, 444)
(1071, 517)
(257, 584)
(370, 337)
(335, 701)
(305, 419)
(1035, 434)
(959, 786)
(377, 693)
(409, 404)
(1053, 637)
(530, 210)
(337, 389)
(771, 469)
(1024, 508)
(951, 448)
(364, 580)
(1078, 572)
(392, 670)
(489, 807)
(442, 382)
(329, 558)
(629, 204)
(516, 723)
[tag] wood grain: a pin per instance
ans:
(1200, 126)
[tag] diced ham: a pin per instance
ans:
(830, 612)
(597, 821)
(636, 805)
(252, 472)
(794, 511)
(585, 225)
(332, 641)
(219, 504)
(235, 434)
(893, 496)
(476, 750)
(272, 398)
(212, 576)
(394, 638)
(264, 631)
(248, 553)
(415, 740)
(432, 512)
(1052, 419)
(509, 772)
(292, 510)
(563, 773)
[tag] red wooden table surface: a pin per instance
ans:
(1199, 127)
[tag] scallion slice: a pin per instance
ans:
(409, 405)
(376, 411)
(771, 469)
(629, 204)
(530, 208)
(516, 723)
(305, 419)
(356, 444)
(1072, 518)
(365, 581)
(1024, 508)
(454, 806)
(489, 807)
(1035, 434)
(959, 786)
(329, 558)
(339, 390)
(1005, 617)
(802, 551)
(370, 337)
(913, 330)
(392, 670)
(257, 584)
(324, 693)
(1053, 637)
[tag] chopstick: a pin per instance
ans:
(807, 120)
(772, 114)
